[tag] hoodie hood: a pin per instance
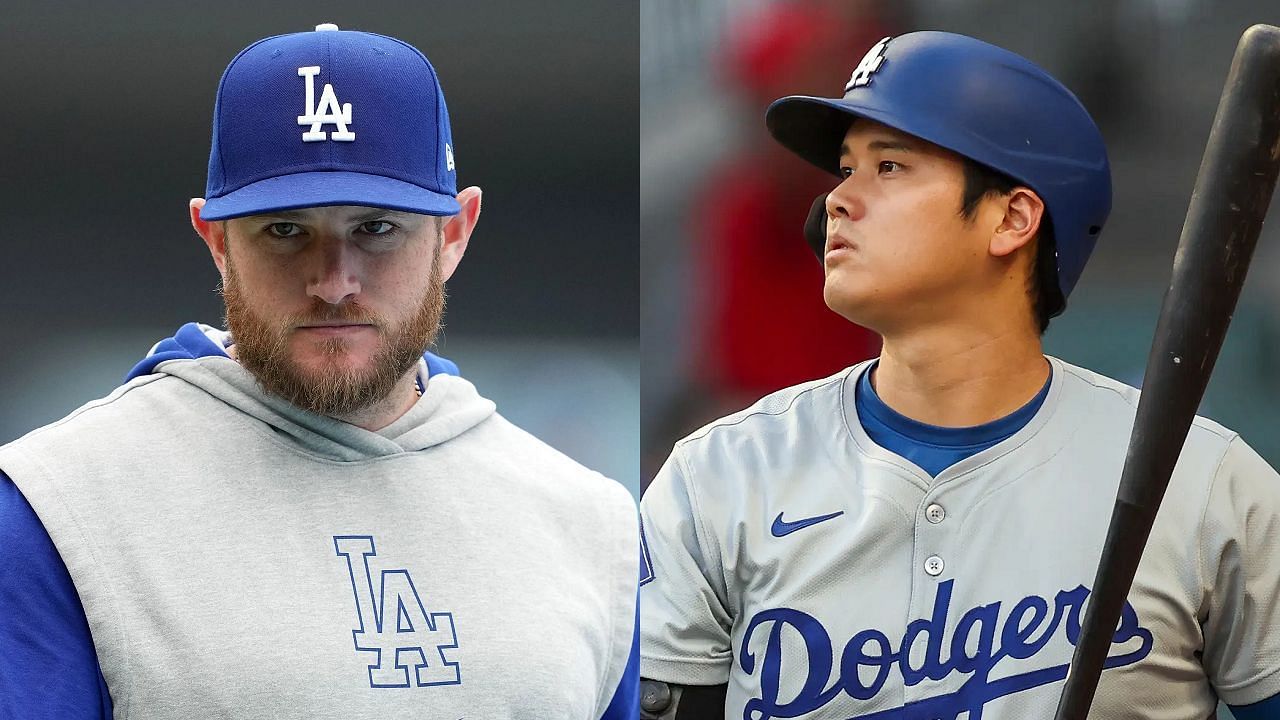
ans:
(449, 405)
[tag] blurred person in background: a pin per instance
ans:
(761, 324)
(300, 514)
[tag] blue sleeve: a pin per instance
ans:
(48, 666)
(1268, 709)
(626, 699)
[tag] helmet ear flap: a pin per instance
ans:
(815, 226)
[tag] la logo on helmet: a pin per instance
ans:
(870, 64)
(328, 112)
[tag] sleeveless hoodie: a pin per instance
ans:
(237, 556)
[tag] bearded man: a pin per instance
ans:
(307, 515)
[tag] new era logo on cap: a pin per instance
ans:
(330, 117)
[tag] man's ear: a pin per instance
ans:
(457, 231)
(212, 234)
(1023, 213)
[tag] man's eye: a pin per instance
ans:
(284, 229)
(889, 166)
(377, 227)
(846, 171)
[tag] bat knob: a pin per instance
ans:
(655, 699)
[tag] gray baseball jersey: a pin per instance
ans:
(822, 576)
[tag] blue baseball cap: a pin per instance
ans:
(330, 117)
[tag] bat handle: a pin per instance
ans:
(1106, 600)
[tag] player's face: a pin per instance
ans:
(898, 251)
(330, 307)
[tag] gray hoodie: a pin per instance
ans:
(237, 556)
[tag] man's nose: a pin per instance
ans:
(846, 200)
(336, 274)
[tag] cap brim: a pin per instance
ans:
(814, 127)
(318, 189)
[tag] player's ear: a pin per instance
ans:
(1023, 213)
(457, 231)
(212, 233)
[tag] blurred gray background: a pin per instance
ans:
(105, 112)
(1150, 72)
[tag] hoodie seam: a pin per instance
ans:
(92, 405)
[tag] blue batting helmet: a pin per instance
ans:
(980, 101)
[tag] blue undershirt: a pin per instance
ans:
(48, 666)
(931, 447)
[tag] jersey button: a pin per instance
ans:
(935, 513)
(933, 565)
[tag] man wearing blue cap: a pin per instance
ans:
(307, 515)
(913, 536)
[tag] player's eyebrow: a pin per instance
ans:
(282, 215)
(894, 144)
(370, 214)
(378, 214)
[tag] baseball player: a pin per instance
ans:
(304, 516)
(914, 536)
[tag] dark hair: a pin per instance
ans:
(1042, 285)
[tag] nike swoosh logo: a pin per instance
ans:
(782, 527)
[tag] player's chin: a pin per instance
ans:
(848, 298)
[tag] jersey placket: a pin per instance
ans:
(924, 656)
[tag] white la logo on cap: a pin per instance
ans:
(328, 112)
(448, 157)
(870, 63)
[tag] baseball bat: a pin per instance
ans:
(1233, 189)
